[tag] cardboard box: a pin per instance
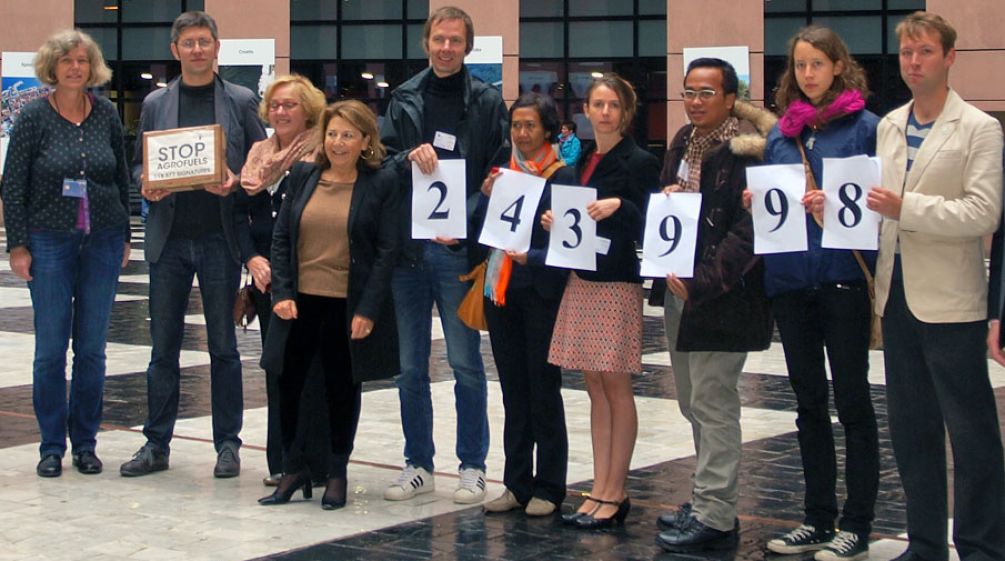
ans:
(184, 159)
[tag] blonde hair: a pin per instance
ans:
(626, 95)
(62, 42)
(360, 116)
(918, 22)
(311, 98)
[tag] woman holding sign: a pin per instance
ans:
(820, 300)
(66, 210)
(599, 324)
(521, 317)
(333, 251)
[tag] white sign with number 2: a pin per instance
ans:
(777, 208)
(573, 240)
(512, 210)
(439, 202)
(671, 234)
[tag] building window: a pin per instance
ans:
(867, 27)
(565, 43)
(357, 49)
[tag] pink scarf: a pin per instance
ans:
(801, 114)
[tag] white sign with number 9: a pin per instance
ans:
(777, 208)
(512, 211)
(671, 234)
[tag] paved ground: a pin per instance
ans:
(184, 513)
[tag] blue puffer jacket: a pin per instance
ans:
(850, 135)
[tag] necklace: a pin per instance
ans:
(83, 109)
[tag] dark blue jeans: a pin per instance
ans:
(72, 291)
(171, 276)
(415, 289)
(832, 319)
(937, 379)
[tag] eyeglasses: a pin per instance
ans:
(287, 105)
(703, 95)
(190, 44)
(346, 136)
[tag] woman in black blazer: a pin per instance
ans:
(333, 251)
(599, 326)
(520, 324)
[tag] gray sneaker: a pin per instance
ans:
(228, 462)
(148, 459)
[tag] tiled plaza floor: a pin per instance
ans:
(184, 513)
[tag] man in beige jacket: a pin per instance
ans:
(941, 194)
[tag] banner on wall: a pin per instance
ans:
(248, 62)
(739, 57)
(486, 59)
(18, 86)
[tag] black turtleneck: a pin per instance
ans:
(196, 213)
(443, 109)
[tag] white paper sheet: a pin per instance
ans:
(779, 216)
(573, 240)
(848, 223)
(512, 211)
(670, 235)
(439, 202)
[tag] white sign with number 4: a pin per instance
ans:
(512, 210)
(671, 234)
(439, 202)
(573, 240)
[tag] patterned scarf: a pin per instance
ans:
(698, 145)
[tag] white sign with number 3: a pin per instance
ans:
(777, 208)
(512, 211)
(848, 224)
(439, 202)
(573, 240)
(671, 234)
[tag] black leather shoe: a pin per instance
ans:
(228, 462)
(146, 460)
(591, 522)
(50, 466)
(87, 463)
(673, 520)
(570, 518)
(288, 485)
(335, 493)
(695, 536)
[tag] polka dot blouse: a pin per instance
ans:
(44, 150)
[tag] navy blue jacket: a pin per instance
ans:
(847, 136)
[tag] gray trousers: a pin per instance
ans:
(709, 399)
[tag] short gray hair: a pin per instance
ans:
(62, 42)
(194, 18)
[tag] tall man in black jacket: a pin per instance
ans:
(441, 113)
(719, 314)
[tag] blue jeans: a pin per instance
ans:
(74, 277)
(170, 284)
(415, 290)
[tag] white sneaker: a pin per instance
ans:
(412, 481)
(471, 487)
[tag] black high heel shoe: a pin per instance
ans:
(287, 486)
(335, 493)
(590, 522)
(570, 518)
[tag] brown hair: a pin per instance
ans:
(919, 22)
(625, 92)
(311, 98)
(448, 13)
(823, 39)
(361, 117)
(62, 42)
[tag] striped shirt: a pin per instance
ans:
(916, 134)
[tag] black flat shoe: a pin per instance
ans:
(335, 493)
(87, 462)
(50, 466)
(287, 486)
(591, 522)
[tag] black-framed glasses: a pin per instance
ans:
(704, 95)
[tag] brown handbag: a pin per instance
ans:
(244, 305)
(471, 311)
(876, 323)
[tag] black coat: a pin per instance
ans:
(630, 174)
(372, 252)
(727, 309)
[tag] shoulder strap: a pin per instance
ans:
(811, 182)
(548, 171)
(861, 263)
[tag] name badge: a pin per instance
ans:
(603, 245)
(683, 171)
(445, 141)
(76, 188)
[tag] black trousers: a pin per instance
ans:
(834, 319)
(312, 431)
(320, 329)
(937, 378)
(532, 395)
